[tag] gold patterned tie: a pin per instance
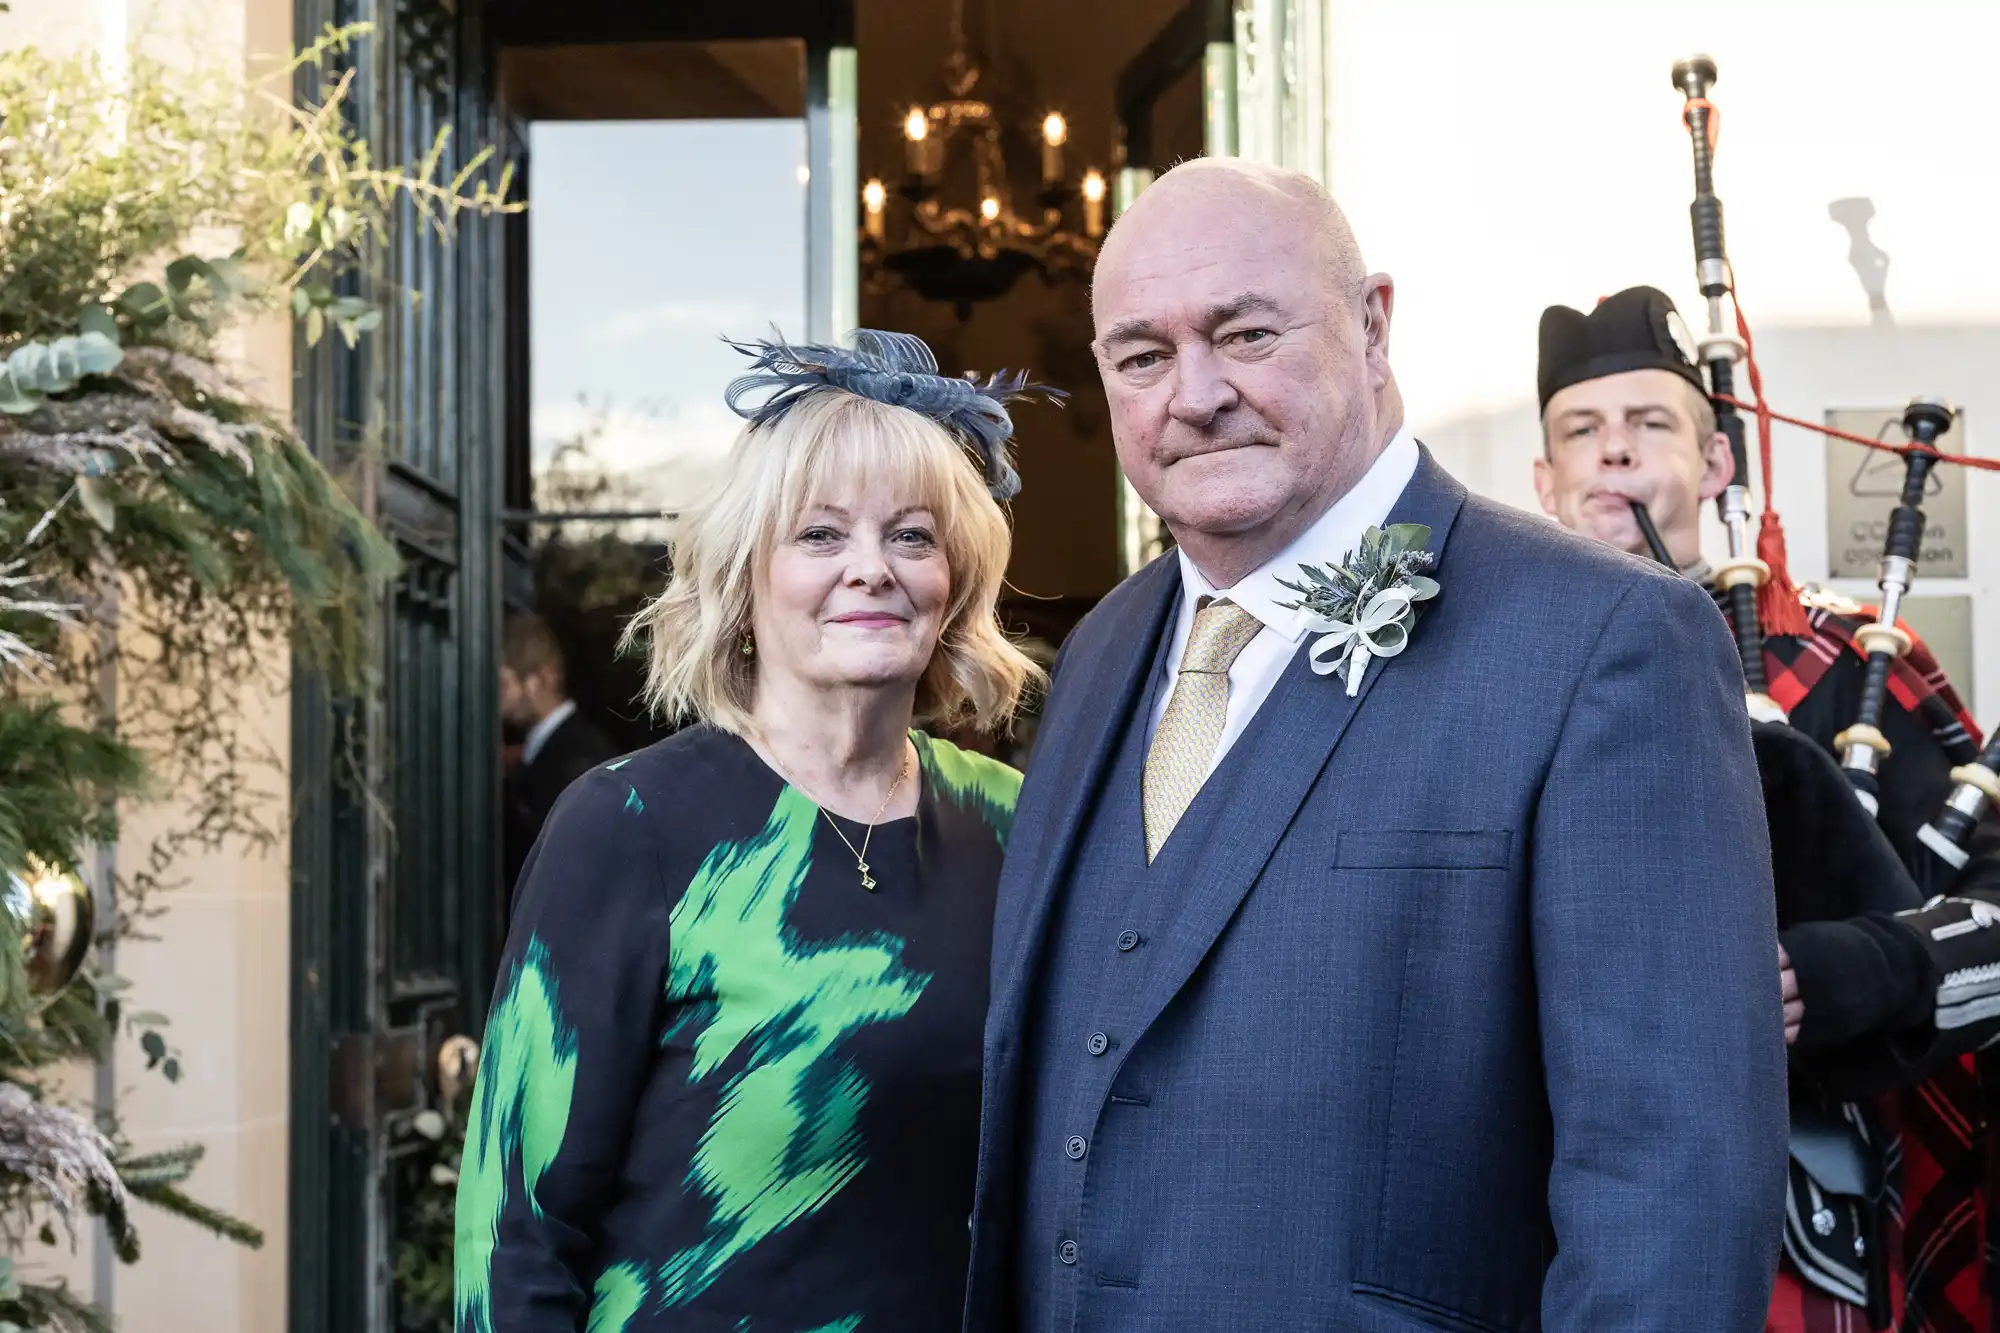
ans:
(1177, 763)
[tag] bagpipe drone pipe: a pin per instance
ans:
(1744, 572)
(1830, 858)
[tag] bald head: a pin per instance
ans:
(1244, 352)
(1268, 198)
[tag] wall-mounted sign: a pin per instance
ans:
(1862, 486)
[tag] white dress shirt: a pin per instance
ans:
(1326, 542)
(539, 734)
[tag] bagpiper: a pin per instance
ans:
(1888, 1191)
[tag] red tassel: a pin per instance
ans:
(1778, 608)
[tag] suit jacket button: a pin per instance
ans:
(1128, 940)
(1098, 1043)
(1067, 1251)
(1076, 1147)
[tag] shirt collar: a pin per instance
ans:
(1329, 539)
(539, 734)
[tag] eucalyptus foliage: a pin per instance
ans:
(35, 370)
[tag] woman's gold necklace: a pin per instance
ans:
(861, 853)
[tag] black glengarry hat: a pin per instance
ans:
(1637, 329)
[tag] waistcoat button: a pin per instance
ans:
(1067, 1251)
(1128, 940)
(1098, 1043)
(1076, 1147)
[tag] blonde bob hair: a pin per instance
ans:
(721, 549)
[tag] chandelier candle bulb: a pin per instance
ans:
(1055, 132)
(874, 197)
(1093, 203)
(921, 146)
(989, 208)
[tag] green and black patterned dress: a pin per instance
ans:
(724, 1088)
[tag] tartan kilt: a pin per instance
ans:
(1944, 1149)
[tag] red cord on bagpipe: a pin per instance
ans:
(1958, 460)
(1778, 608)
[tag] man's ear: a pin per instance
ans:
(1718, 467)
(1378, 304)
(1545, 486)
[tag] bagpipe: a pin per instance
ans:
(1829, 857)
(1753, 582)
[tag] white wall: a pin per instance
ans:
(1500, 158)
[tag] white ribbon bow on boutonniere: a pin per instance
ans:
(1366, 606)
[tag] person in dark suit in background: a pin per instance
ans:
(560, 744)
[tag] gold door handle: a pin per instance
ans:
(457, 1063)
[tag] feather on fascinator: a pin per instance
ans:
(892, 368)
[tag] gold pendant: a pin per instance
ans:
(867, 881)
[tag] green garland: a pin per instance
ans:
(160, 527)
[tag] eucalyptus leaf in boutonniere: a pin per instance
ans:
(1367, 605)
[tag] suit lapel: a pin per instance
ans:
(1109, 683)
(1290, 740)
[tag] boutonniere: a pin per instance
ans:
(1367, 605)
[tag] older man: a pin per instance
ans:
(1412, 996)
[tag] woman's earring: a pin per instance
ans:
(749, 645)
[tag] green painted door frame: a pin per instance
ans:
(396, 795)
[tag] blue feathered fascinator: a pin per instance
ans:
(893, 368)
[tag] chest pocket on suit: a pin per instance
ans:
(1423, 849)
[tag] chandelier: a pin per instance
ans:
(954, 235)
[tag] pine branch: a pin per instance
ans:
(54, 1307)
(17, 600)
(71, 1024)
(170, 1167)
(53, 777)
(169, 1199)
(113, 1206)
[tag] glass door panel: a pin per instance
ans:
(651, 242)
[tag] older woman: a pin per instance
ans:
(731, 1075)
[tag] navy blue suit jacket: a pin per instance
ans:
(1470, 1020)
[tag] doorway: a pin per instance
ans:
(631, 291)
(695, 171)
